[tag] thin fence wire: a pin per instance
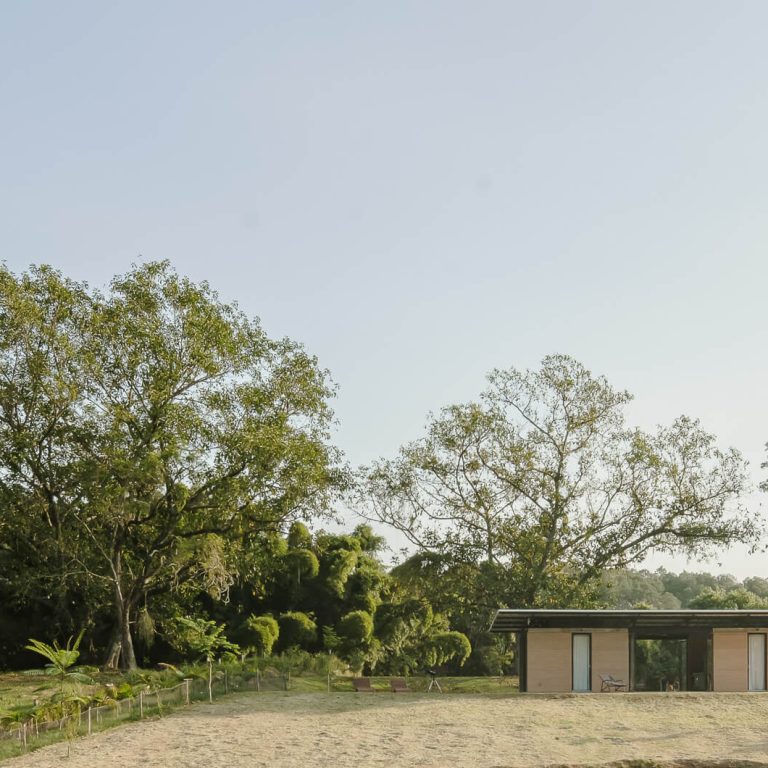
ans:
(151, 702)
(90, 719)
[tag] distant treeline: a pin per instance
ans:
(666, 590)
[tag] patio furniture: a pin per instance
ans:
(610, 684)
(362, 684)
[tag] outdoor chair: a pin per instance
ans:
(610, 683)
(362, 684)
(398, 685)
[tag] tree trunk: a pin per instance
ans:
(112, 659)
(123, 608)
(122, 632)
(127, 652)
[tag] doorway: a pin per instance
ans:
(757, 662)
(582, 662)
(660, 664)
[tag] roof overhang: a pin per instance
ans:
(516, 620)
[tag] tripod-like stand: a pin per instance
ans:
(433, 680)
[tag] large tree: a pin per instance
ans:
(147, 435)
(543, 482)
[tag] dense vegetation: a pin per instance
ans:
(167, 481)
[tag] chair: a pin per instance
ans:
(398, 685)
(362, 684)
(610, 683)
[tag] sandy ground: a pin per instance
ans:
(348, 730)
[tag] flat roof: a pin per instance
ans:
(517, 619)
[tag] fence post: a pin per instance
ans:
(187, 681)
(89, 721)
(226, 684)
(24, 730)
(141, 704)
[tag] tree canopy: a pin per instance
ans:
(542, 480)
(144, 434)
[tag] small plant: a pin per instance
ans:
(207, 639)
(60, 661)
(61, 665)
(329, 665)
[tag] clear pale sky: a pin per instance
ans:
(420, 192)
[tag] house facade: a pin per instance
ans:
(563, 651)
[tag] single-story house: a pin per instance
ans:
(576, 650)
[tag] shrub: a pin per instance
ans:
(261, 633)
(355, 630)
(297, 629)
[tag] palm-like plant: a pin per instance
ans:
(61, 665)
(60, 661)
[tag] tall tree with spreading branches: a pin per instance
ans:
(146, 435)
(542, 483)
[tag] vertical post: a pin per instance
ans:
(89, 721)
(226, 682)
(186, 690)
(258, 683)
(141, 704)
(24, 731)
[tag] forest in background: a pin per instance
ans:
(163, 461)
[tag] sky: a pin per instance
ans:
(420, 192)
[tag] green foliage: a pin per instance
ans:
(331, 639)
(296, 629)
(174, 433)
(262, 634)
(448, 646)
(738, 598)
(542, 480)
(302, 564)
(757, 586)
(355, 630)
(299, 536)
(204, 638)
(658, 663)
(622, 588)
(207, 639)
(145, 628)
(60, 661)
(369, 541)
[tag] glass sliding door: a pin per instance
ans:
(582, 662)
(757, 662)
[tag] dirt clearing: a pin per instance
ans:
(347, 730)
